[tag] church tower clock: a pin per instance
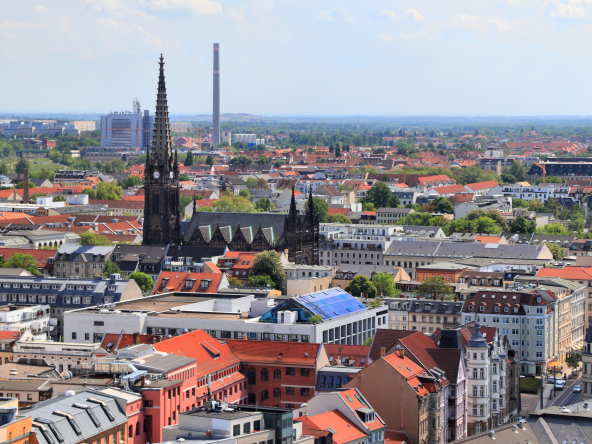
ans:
(162, 224)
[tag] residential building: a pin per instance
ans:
(404, 405)
(61, 355)
(280, 374)
(80, 261)
(346, 415)
(75, 418)
(587, 364)
(14, 428)
(346, 273)
(304, 279)
(501, 204)
(148, 259)
(7, 341)
(18, 318)
(43, 258)
(530, 192)
(190, 282)
(27, 391)
(392, 215)
(425, 315)
(562, 167)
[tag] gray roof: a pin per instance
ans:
(394, 210)
(366, 270)
(413, 248)
(477, 340)
(465, 249)
(81, 428)
(84, 249)
(432, 306)
(73, 209)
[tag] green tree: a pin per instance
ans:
(494, 215)
(368, 341)
(268, 263)
(519, 203)
(385, 285)
(210, 160)
(3, 168)
(486, 225)
(233, 204)
(251, 183)
(338, 219)
(104, 191)
(145, 282)
(21, 166)
(518, 170)
(361, 285)
(183, 177)
(188, 159)
(432, 286)
(523, 225)
(321, 207)
(94, 239)
(184, 200)
(21, 185)
(557, 250)
(278, 163)
(421, 219)
(19, 260)
(264, 204)
(241, 159)
(572, 361)
(245, 194)
(536, 205)
(235, 282)
(131, 181)
(461, 225)
(315, 319)
(381, 196)
(368, 206)
(577, 224)
(443, 205)
(109, 268)
(337, 151)
(263, 160)
(260, 281)
(554, 229)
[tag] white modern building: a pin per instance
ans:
(125, 130)
(528, 193)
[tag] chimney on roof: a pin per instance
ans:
(136, 338)
(401, 353)
(382, 351)
(26, 186)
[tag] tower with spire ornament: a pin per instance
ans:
(301, 234)
(162, 224)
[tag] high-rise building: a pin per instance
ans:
(216, 108)
(161, 178)
(126, 129)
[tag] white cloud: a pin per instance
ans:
(201, 7)
(386, 15)
(150, 39)
(479, 23)
(414, 14)
(117, 8)
(337, 14)
(385, 37)
(40, 8)
(573, 9)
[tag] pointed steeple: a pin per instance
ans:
(311, 209)
(161, 140)
(293, 203)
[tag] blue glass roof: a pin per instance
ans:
(328, 304)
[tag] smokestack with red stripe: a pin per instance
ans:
(216, 110)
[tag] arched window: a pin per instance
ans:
(277, 374)
(264, 395)
(264, 374)
(252, 375)
(131, 431)
(252, 398)
(277, 392)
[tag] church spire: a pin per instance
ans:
(293, 211)
(161, 140)
(311, 209)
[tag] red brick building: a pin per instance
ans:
(280, 374)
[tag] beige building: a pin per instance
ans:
(80, 261)
(403, 403)
(304, 279)
(28, 391)
(61, 355)
(345, 273)
(425, 315)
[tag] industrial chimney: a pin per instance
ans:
(26, 186)
(216, 110)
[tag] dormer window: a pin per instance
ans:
(189, 283)
(482, 308)
(205, 284)
(539, 299)
(496, 309)
(471, 307)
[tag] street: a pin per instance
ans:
(567, 396)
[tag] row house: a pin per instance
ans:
(425, 315)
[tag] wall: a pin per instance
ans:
(308, 285)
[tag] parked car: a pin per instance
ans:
(577, 389)
(551, 380)
(529, 375)
(559, 385)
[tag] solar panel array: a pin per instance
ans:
(331, 303)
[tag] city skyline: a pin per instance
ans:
(299, 58)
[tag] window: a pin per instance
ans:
(277, 374)
(277, 392)
(323, 379)
(247, 427)
(73, 336)
(264, 395)
(252, 375)
(304, 391)
(236, 430)
(264, 375)
(290, 391)
(304, 372)
(290, 371)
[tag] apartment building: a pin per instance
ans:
(14, 428)
(392, 215)
(527, 318)
(61, 355)
(403, 405)
(80, 261)
(587, 365)
(425, 315)
(529, 192)
(27, 391)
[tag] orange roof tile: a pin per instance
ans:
(177, 281)
(344, 430)
(264, 352)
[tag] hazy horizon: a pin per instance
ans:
(299, 58)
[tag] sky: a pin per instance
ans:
(300, 57)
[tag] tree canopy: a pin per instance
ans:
(94, 239)
(381, 196)
(432, 286)
(385, 285)
(233, 204)
(268, 263)
(321, 207)
(359, 285)
(145, 282)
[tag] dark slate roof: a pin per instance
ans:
(447, 360)
(195, 253)
(386, 338)
(265, 220)
(477, 340)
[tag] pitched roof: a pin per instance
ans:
(417, 344)
(447, 360)
(386, 338)
(265, 352)
(178, 281)
(482, 185)
(343, 429)
(126, 341)
(357, 353)
(574, 273)
(210, 354)
(408, 369)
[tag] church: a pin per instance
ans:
(296, 233)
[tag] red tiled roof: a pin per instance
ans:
(353, 352)
(391, 437)
(386, 338)
(488, 239)
(210, 354)
(42, 257)
(482, 185)
(176, 281)
(345, 430)
(417, 344)
(266, 352)
(342, 211)
(570, 273)
(450, 189)
(407, 368)
(352, 398)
